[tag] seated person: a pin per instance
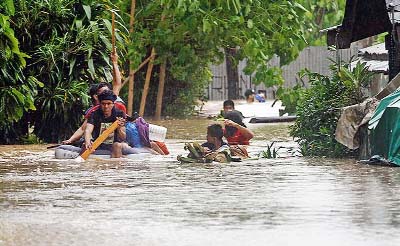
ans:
(101, 119)
(137, 140)
(214, 138)
(101, 87)
(236, 131)
(96, 90)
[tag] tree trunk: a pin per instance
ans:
(131, 70)
(137, 69)
(147, 83)
(232, 74)
(160, 92)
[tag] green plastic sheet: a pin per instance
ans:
(384, 129)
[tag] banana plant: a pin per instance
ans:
(69, 45)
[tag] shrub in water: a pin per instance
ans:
(318, 108)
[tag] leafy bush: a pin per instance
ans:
(60, 110)
(290, 97)
(318, 108)
(68, 43)
(17, 91)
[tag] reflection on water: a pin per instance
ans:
(156, 201)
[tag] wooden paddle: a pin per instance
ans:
(97, 142)
(113, 32)
(53, 146)
(113, 48)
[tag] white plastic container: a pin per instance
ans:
(157, 133)
(65, 154)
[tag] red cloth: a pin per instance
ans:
(238, 138)
(118, 105)
(163, 147)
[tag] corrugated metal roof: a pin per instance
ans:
(373, 65)
(374, 52)
(332, 28)
(375, 57)
(395, 4)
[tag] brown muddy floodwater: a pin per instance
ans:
(154, 200)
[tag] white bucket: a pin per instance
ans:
(157, 133)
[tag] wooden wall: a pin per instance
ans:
(315, 58)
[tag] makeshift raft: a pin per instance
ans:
(156, 133)
(72, 152)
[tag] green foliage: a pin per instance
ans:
(69, 44)
(290, 97)
(16, 91)
(189, 92)
(12, 133)
(195, 34)
(7, 7)
(380, 38)
(57, 104)
(30, 139)
(17, 98)
(320, 15)
(66, 38)
(270, 152)
(318, 108)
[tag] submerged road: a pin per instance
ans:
(290, 200)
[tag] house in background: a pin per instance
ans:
(376, 59)
(367, 18)
(363, 19)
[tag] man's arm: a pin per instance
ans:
(77, 134)
(121, 131)
(88, 135)
(247, 133)
(117, 82)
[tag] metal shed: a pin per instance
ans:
(367, 18)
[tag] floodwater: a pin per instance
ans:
(154, 200)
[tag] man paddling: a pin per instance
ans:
(101, 119)
(94, 92)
